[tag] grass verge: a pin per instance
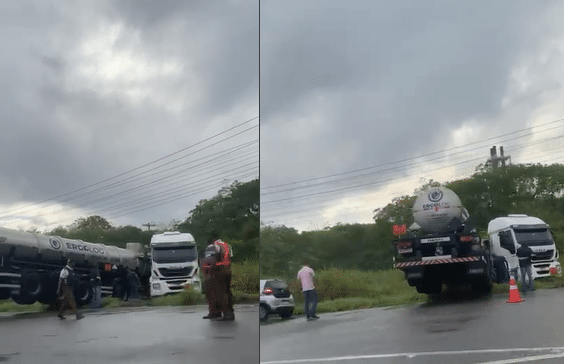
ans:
(350, 290)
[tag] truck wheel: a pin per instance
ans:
(23, 299)
(84, 293)
(484, 286)
(436, 287)
(263, 313)
(5, 293)
(500, 269)
(31, 285)
(49, 292)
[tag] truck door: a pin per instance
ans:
(507, 241)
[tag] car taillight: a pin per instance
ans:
(267, 291)
(466, 238)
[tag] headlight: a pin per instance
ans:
(157, 286)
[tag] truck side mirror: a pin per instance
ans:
(507, 242)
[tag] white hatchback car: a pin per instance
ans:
(275, 298)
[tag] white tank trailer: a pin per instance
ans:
(441, 248)
(30, 265)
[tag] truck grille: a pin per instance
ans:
(542, 256)
(182, 272)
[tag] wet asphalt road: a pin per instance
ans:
(483, 330)
(136, 335)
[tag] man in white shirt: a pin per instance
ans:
(67, 282)
(306, 278)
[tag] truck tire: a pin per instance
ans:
(23, 299)
(482, 286)
(84, 293)
(50, 283)
(5, 293)
(429, 286)
(31, 285)
(500, 266)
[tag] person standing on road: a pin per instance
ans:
(223, 265)
(216, 266)
(524, 254)
(207, 265)
(123, 274)
(96, 285)
(306, 278)
(133, 281)
(67, 282)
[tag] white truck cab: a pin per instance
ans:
(174, 263)
(507, 233)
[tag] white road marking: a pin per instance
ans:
(558, 352)
(524, 359)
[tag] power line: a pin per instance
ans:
(422, 156)
(131, 170)
(413, 164)
(270, 213)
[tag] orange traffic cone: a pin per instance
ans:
(514, 295)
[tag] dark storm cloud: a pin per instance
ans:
(364, 83)
(95, 89)
(224, 42)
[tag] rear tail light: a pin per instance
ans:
(466, 238)
(267, 291)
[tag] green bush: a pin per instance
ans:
(245, 277)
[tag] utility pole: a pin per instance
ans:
(496, 160)
(148, 226)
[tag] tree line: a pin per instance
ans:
(232, 215)
(533, 189)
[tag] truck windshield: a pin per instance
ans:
(533, 237)
(177, 254)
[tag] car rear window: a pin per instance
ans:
(275, 284)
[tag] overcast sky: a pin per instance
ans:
(364, 101)
(131, 110)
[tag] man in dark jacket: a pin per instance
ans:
(67, 282)
(524, 254)
(208, 263)
(216, 266)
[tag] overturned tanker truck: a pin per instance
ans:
(443, 248)
(30, 265)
